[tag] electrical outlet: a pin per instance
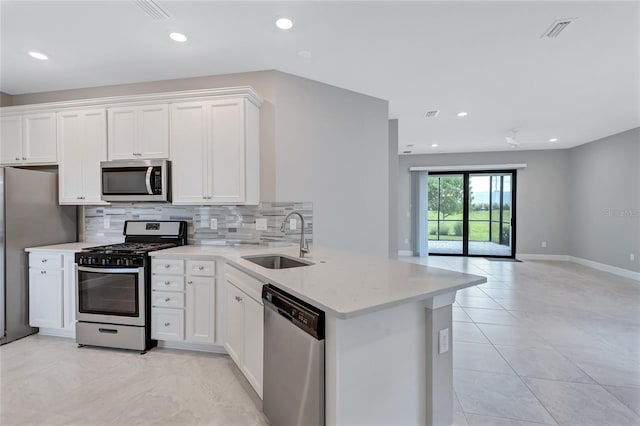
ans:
(213, 223)
(261, 224)
(544, 244)
(443, 341)
(107, 222)
(293, 224)
(632, 257)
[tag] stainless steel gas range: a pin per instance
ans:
(113, 292)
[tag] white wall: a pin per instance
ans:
(605, 200)
(332, 150)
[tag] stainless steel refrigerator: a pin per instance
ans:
(29, 217)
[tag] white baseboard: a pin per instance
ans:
(607, 268)
(555, 257)
(200, 347)
(405, 252)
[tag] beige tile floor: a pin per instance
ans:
(539, 343)
(544, 343)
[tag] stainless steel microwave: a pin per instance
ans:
(136, 180)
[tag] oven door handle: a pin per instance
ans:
(110, 270)
(147, 180)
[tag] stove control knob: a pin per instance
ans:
(103, 261)
(127, 262)
(93, 260)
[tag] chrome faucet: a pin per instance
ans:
(304, 247)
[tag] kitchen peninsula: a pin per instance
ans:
(383, 360)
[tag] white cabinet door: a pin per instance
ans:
(226, 153)
(69, 293)
(139, 132)
(153, 131)
(189, 153)
(253, 332)
(45, 298)
(11, 137)
(83, 145)
(39, 138)
(200, 311)
(234, 320)
(122, 133)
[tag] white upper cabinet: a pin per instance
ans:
(83, 145)
(138, 132)
(215, 152)
(28, 139)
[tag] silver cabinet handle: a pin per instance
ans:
(167, 266)
(43, 272)
(18, 158)
(200, 268)
(44, 260)
(167, 324)
(167, 299)
(24, 158)
(238, 299)
(167, 282)
(189, 282)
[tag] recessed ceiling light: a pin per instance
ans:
(406, 152)
(284, 23)
(434, 145)
(38, 55)
(462, 114)
(179, 37)
(553, 140)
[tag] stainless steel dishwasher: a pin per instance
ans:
(293, 386)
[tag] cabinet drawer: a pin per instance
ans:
(45, 260)
(167, 324)
(167, 266)
(205, 268)
(167, 282)
(165, 299)
(245, 282)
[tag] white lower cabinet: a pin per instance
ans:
(244, 325)
(52, 284)
(183, 300)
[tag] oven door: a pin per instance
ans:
(112, 296)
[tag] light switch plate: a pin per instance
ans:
(261, 224)
(213, 223)
(443, 341)
(293, 224)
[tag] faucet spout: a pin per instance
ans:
(304, 248)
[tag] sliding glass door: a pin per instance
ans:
(471, 213)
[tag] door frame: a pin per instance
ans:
(465, 211)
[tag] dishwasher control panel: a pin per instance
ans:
(303, 315)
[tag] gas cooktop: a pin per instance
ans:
(129, 248)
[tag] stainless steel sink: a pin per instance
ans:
(276, 261)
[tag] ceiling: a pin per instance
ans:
(485, 58)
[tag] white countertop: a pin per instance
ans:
(343, 284)
(64, 248)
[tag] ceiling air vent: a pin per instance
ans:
(432, 114)
(153, 9)
(557, 27)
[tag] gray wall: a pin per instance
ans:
(605, 200)
(393, 188)
(542, 195)
(332, 149)
(318, 143)
(5, 99)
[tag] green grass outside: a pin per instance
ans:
(478, 231)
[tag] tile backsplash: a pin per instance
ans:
(235, 224)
